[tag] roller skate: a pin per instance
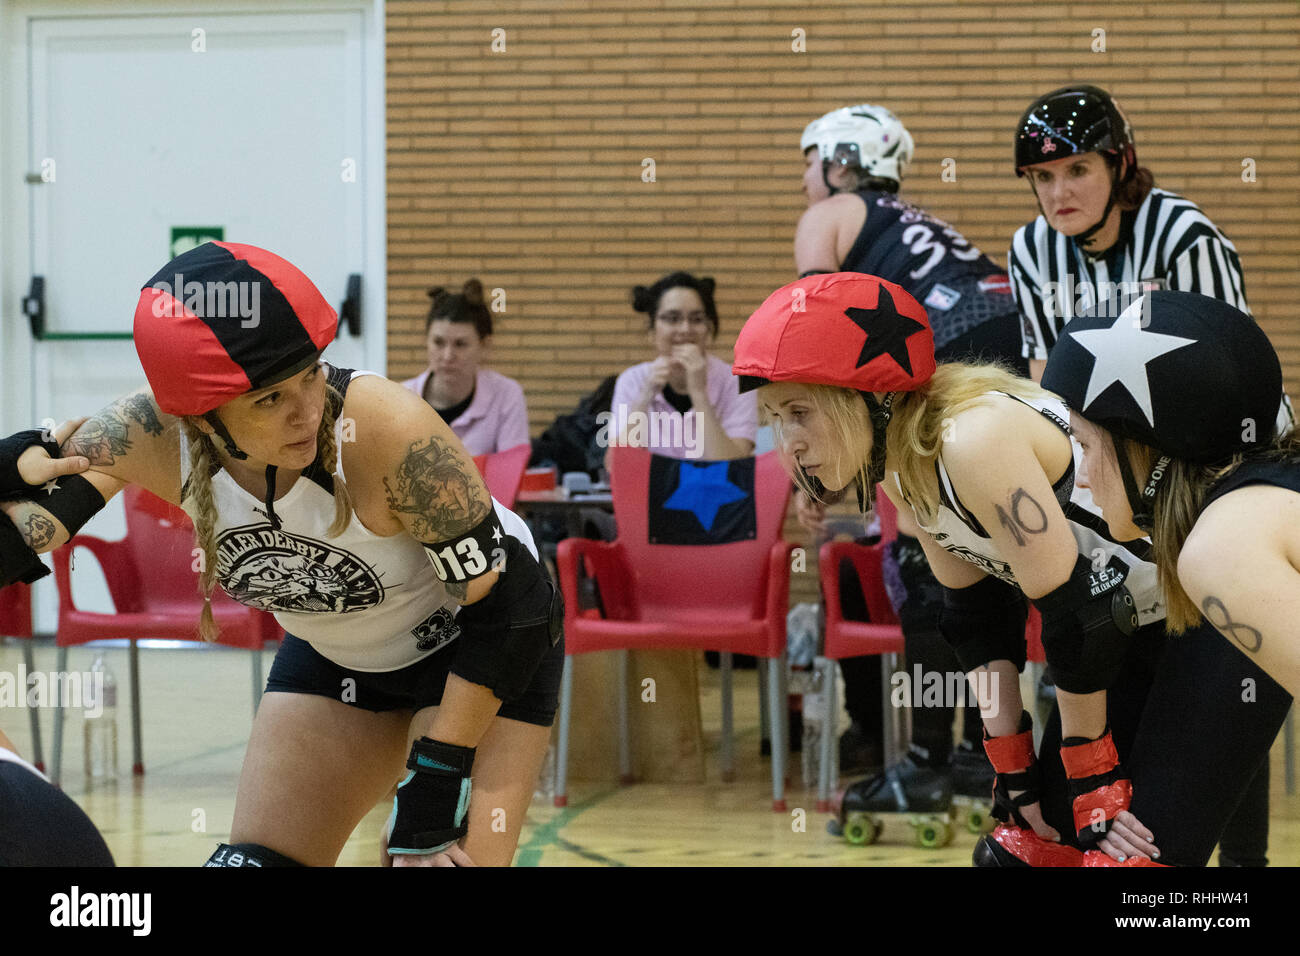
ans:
(909, 788)
(1013, 842)
(972, 789)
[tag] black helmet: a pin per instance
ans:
(1188, 375)
(1178, 371)
(1070, 121)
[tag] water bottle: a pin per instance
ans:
(814, 719)
(100, 732)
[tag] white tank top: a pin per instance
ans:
(366, 602)
(959, 532)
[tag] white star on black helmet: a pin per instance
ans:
(1123, 353)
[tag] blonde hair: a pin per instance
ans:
(1179, 501)
(915, 433)
(204, 463)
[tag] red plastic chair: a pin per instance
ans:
(155, 590)
(730, 598)
(16, 621)
(503, 471)
(882, 635)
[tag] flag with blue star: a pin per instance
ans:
(704, 502)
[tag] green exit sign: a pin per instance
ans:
(185, 238)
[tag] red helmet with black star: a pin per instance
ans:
(845, 329)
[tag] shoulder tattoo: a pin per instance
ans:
(103, 437)
(442, 495)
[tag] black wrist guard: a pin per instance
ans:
(11, 448)
(73, 500)
(432, 803)
(18, 562)
(1086, 625)
(506, 633)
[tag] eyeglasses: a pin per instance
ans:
(675, 318)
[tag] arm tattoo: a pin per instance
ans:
(33, 522)
(458, 590)
(38, 530)
(443, 497)
(1026, 517)
(1217, 614)
(104, 436)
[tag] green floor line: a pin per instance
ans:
(548, 834)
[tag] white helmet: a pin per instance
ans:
(869, 137)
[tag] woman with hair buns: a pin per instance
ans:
(423, 640)
(684, 402)
(484, 408)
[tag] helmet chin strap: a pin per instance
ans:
(881, 410)
(1141, 502)
(1084, 239)
(826, 169)
(219, 427)
(233, 450)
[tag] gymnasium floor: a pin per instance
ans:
(197, 715)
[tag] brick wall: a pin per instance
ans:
(525, 167)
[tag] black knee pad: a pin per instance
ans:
(248, 854)
(985, 622)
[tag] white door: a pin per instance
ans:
(148, 131)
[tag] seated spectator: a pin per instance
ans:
(484, 408)
(685, 403)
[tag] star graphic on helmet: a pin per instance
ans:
(1123, 352)
(887, 331)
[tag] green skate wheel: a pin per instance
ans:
(933, 833)
(860, 829)
(978, 820)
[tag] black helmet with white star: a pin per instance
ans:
(1189, 375)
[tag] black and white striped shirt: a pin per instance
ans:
(1167, 242)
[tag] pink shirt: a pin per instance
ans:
(670, 433)
(496, 419)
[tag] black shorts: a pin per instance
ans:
(300, 669)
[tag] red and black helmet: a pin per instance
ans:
(843, 328)
(224, 319)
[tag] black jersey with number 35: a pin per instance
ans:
(959, 286)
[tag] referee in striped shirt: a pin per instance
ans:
(1104, 234)
(1103, 237)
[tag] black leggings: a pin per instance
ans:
(1196, 750)
(923, 645)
